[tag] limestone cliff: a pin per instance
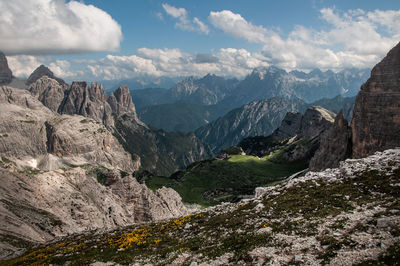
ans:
(5, 72)
(375, 125)
(49, 91)
(121, 102)
(64, 174)
(335, 145)
(89, 101)
(376, 116)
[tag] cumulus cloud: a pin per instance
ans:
(175, 63)
(352, 39)
(237, 26)
(23, 65)
(184, 22)
(56, 26)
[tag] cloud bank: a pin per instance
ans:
(54, 27)
(350, 39)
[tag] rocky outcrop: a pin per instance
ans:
(315, 121)
(89, 101)
(5, 71)
(64, 174)
(42, 71)
(121, 102)
(49, 91)
(40, 207)
(290, 126)
(254, 119)
(376, 116)
(335, 145)
(297, 138)
(29, 132)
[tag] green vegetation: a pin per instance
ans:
(214, 181)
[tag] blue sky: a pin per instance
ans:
(103, 39)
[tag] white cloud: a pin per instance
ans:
(237, 26)
(54, 26)
(351, 39)
(23, 65)
(184, 23)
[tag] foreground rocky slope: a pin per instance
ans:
(342, 216)
(63, 174)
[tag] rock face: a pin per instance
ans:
(298, 136)
(64, 174)
(49, 91)
(121, 103)
(254, 119)
(30, 131)
(376, 116)
(335, 145)
(42, 71)
(5, 72)
(38, 208)
(89, 101)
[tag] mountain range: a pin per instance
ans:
(261, 84)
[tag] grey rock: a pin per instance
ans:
(290, 126)
(335, 145)
(5, 71)
(49, 91)
(29, 129)
(89, 101)
(316, 119)
(42, 71)
(121, 102)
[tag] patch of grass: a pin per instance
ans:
(85, 121)
(213, 181)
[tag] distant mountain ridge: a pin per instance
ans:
(262, 83)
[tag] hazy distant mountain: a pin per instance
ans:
(268, 82)
(208, 90)
(178, 116)
(258, 118)
(262, 83)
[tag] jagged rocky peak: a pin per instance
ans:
(41, 71)
(49, 91)
(121, 102)
(335, 145)
(89, 101)
(5, 71)
(376, 115)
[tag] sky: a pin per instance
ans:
(107, 40)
